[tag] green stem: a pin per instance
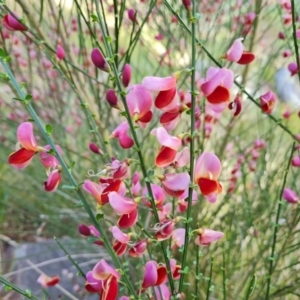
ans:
(210, 277)
(295, 37)
(192, 144)
(276, 225)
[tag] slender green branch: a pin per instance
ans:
(276, 225)
(10, 285)
(295, 36)
(210, 278)
(192, 143)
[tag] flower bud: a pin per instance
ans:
(94, 148)
(60, 52)
(131, 15)
(126, 75)
(187, 4)
(111, 98)
(84, 230)
(99, 60)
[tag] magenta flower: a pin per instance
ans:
(207, 171)
(94, 148)
(290, 196)
(112, 99)
(93, 285)
(49, 160)
(28, 147)
(236, 53)
(174, 184)
(216, 87)
(135, 185)
(267, 102)
(99, 60)
(162, 292)
(154, 275)
(121, 133)
(11, 24)
(120, 240)
(131, 15)
(158, 195)
(293, 68)
(187, 4)
(54, 179)
(164, 229)
(139, 101)
(60, 52)
(170, 146)
(206, 236)
(90, 231)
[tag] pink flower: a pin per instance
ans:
(120, 240)
(99, 60)
(162, 292)
(22, 157)
(158, 195)
(126, 208)
(46, 281)
(93, 285)
(206, 236)
(236, 53)
(207, 171)
(290, 196)
(11, 24)
(170, 145)
(187, 4)
(94, 148)
(49, 160)
(216, 87)
(54, 179)
(126, 75)
(267, 102)
(286, 53)
(237, 104)
(164, 229)
(90, 231)
(103, 271)
(60, 52)
(167, 98)
(175, 184)
(138, 248)
(131, 15)
(135, 186)
(121, 132)
(139, 101)
(154, 274)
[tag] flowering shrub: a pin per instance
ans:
(169, 177)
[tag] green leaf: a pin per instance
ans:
(2, 53)
(8, 288)
(150, 173)
(4, 77)
(72, 165)
(28, 97)
(28, 293)
(94, 18)
(108, 39)
(49, 129)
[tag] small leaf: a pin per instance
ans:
(4, 77)
(108, 39)
(49, 129)
(28, 97)
(2, 53)
(8, 288)
(28, 293)
(94, 18)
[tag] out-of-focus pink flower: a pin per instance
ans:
(54, 179)
(267, 102)
(207, 171)
(121, 133)
(28, 147)
(293, 68)
(93, 285)
(99, 60)
(49, 160)
(182, 158)
(236, 104)
(286, 53)
(46, 281)
(139, 101)
(120, 240)
(216, 87)
(281, 35)
(162, 292)
(112, 99)
(187, 4)
(132, 15)
(174, 184)
(60, 52)
(11, 24)
(290, 196)
(170, 145)
(158, 195)
(236, 53)
(94, 148)
(178, 237)
(90, 231)
(296, 161)
(206, 236)
(154, 275)
(298, 33)
(136, 186)
(175, 268)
